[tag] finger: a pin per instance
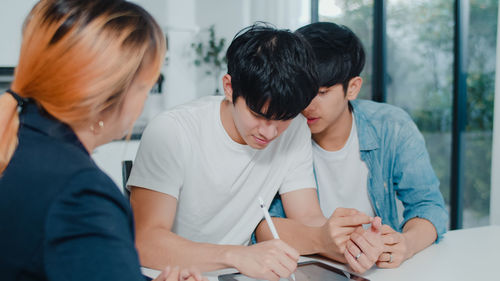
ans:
(341, 212)
(282, 261)
(384, 264)
(387, 229)
(376, 225)
(287, 249)
(280, 270)
(272, 276)
(340, 231)
(368, 250)
(190, 274)
(341, 243)
(353, 263)
(354, 220)
(174, 274)
(391, 249)
(195, 273)
(364, 262)
(353, 249)
(384, 257)
(392, 238)
(286, 260)
(184, 274)
(163, 275)
(375, 241)
(288, 263)
(360, 230)
(390, 260)
(268, 273)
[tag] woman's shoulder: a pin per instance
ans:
(43, 154)
(56, 166)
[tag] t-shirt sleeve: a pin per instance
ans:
(159, 164)
(89, 232)
(300, 173)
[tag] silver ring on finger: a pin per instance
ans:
(357, 256)
(390, 257)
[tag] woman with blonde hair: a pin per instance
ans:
(84, 71)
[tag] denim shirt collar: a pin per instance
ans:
(34, 117)
(367, 136)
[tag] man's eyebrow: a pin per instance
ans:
(259, 114)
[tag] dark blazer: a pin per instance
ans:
(61, 217)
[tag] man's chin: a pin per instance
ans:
(257, 145)
(315, 129)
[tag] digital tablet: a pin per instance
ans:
(306, 271)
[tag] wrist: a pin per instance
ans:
(323, 239)
(410, 251)
(229, 255)
(326, 247)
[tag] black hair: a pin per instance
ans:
(272, 70)
(338, 51)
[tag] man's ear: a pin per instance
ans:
(354, 87)
(228, 87)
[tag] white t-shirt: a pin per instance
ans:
(186, 153)
(342, 177)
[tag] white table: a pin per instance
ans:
(467, 254)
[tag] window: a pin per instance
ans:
(420, 73)
(481, 58)
(420, 66)
(358, 16)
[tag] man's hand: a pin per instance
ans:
(269, 260)
(338, 229)
(396, 249)
(175, 274)
(365, 247)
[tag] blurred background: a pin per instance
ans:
(436, 59)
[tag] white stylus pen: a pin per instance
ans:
(271, 224)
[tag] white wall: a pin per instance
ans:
(230, 16)
(495, 165)
(289, 14)
(178, 20)
(109, 157)
(12, 15)
(184, 22)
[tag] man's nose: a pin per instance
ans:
(269, 129)
(310, 108)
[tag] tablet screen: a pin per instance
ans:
(307, 271)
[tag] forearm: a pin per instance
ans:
(160, 247)
(307, 240)
(419, 233)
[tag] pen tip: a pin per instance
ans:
(261, 202)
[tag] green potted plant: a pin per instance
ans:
(211, 55)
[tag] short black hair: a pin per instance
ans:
(273, 70)
(338, 51)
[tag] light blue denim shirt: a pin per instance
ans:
(399, 167)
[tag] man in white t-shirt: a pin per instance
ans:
(201, 166)
(367, 155)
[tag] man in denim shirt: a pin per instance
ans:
(366, 155)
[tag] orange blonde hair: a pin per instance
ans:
(77, 60)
